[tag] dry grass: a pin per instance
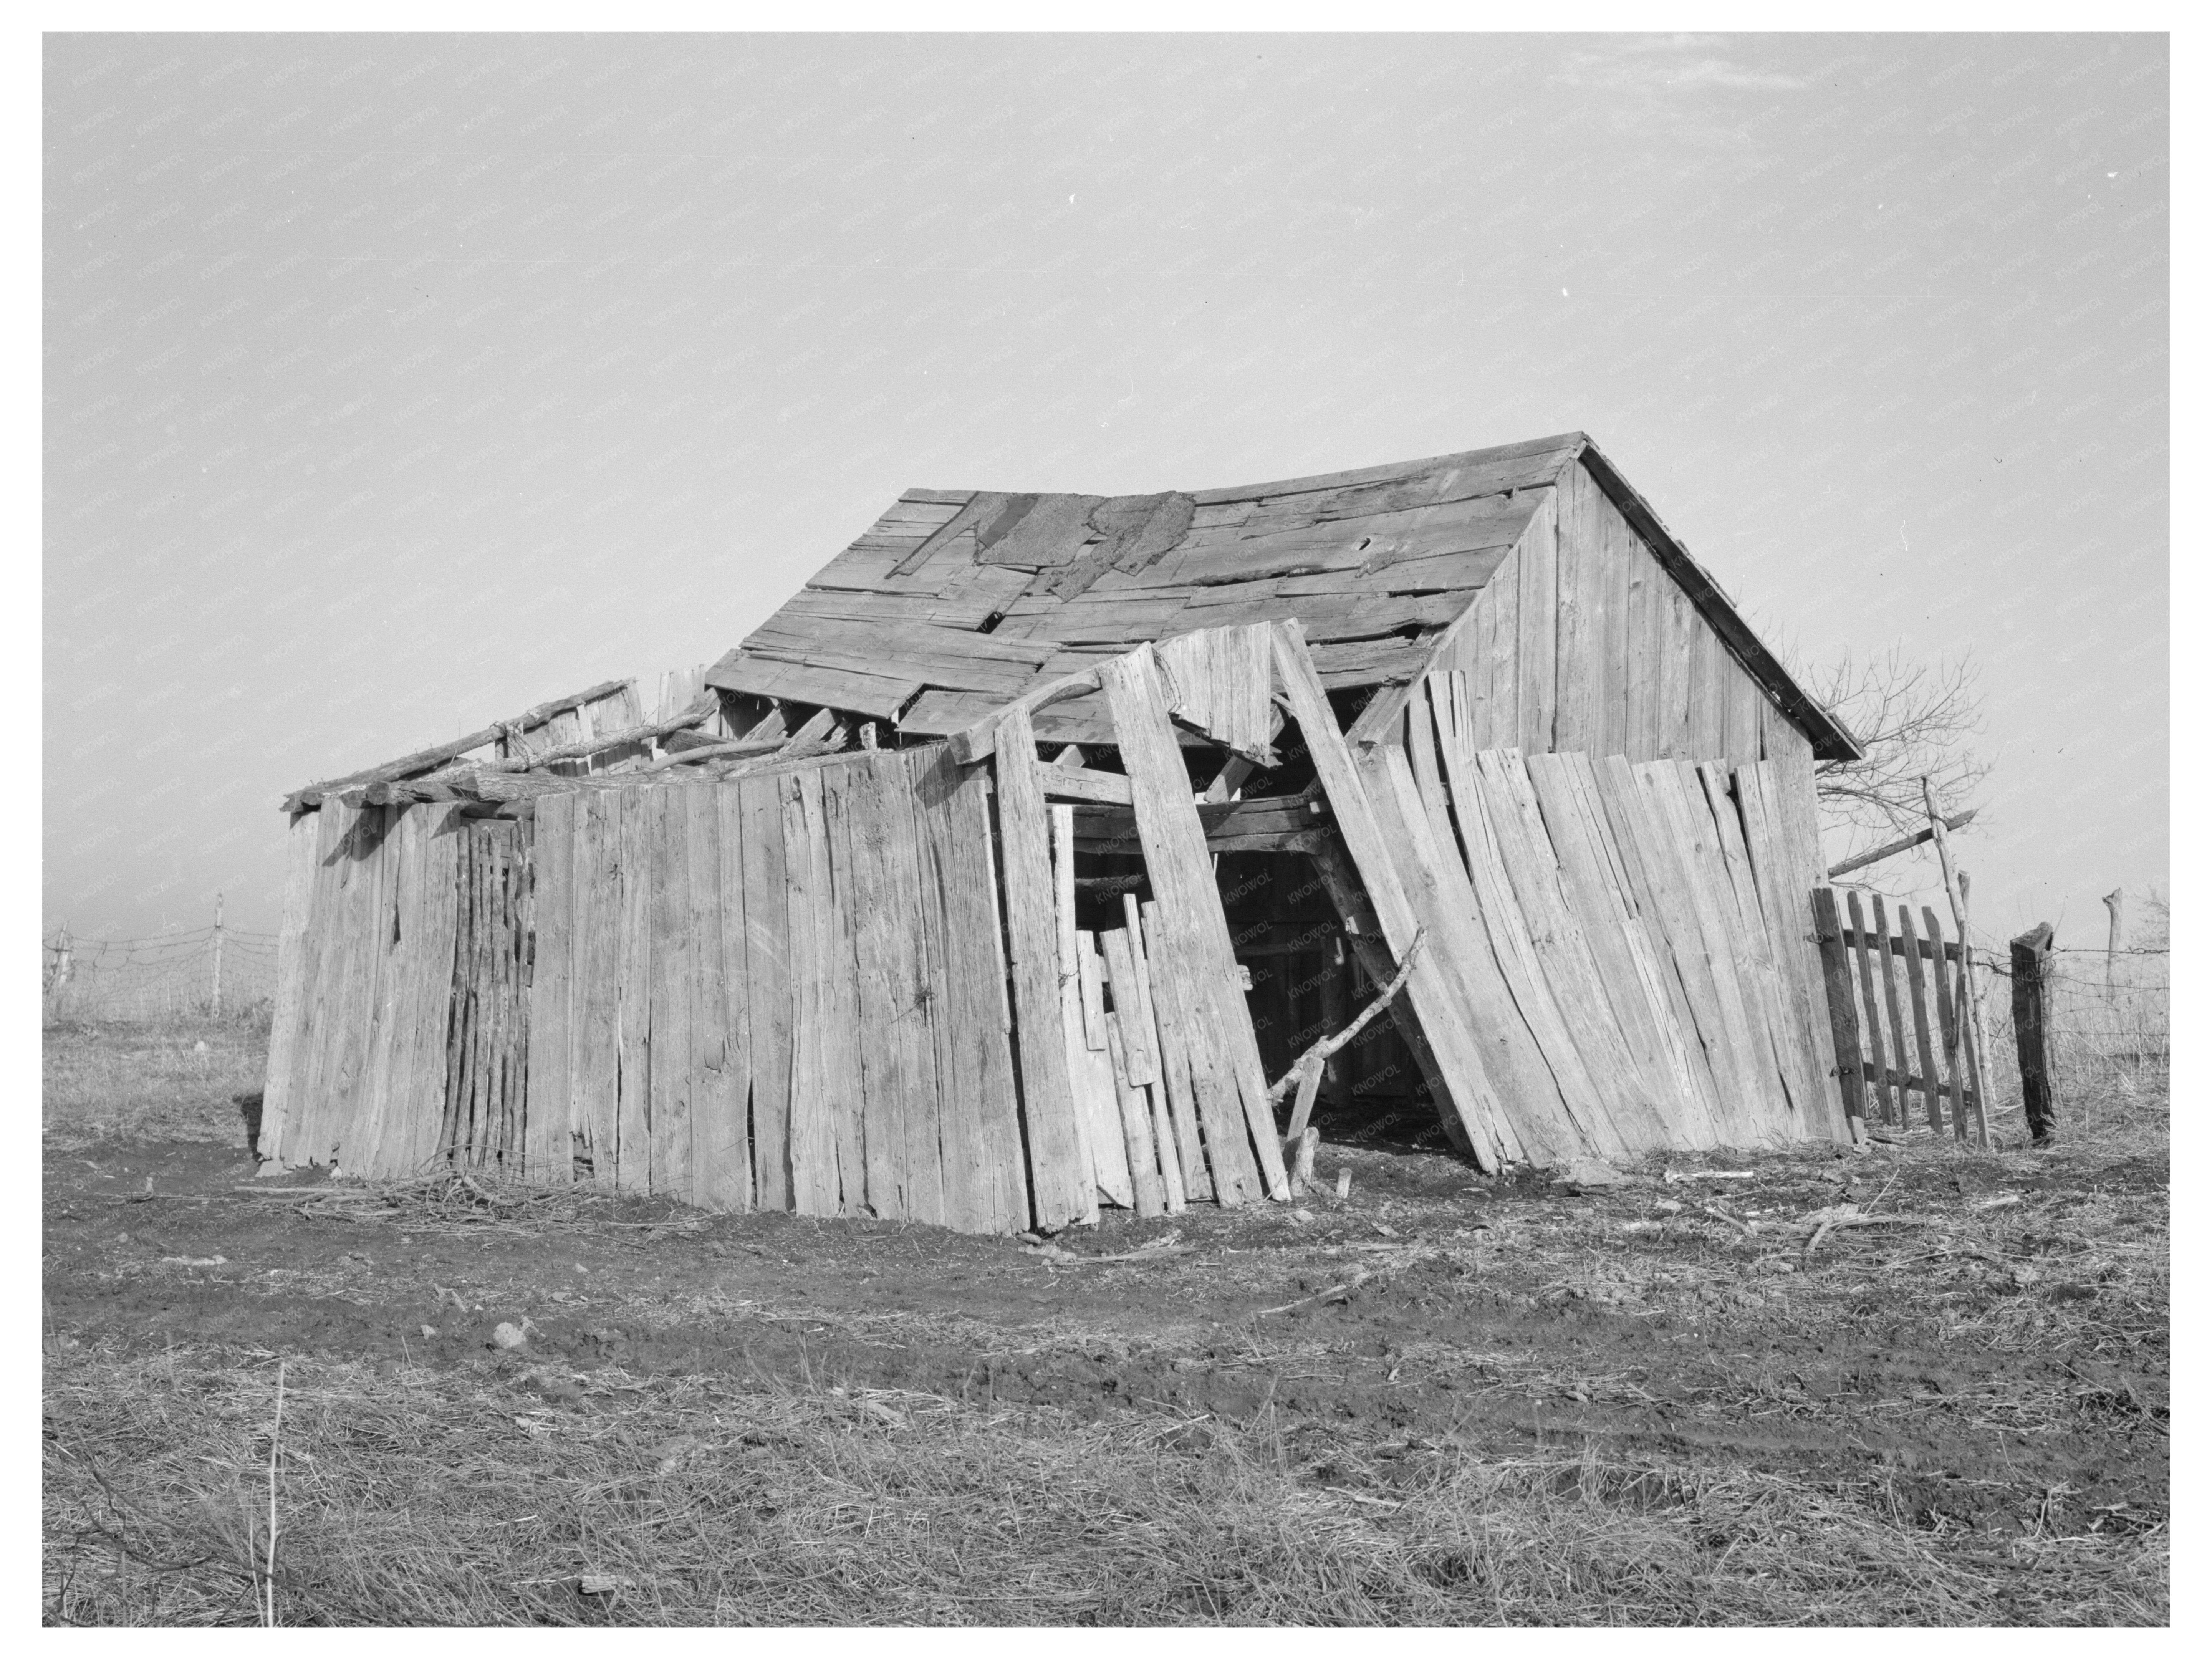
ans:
(482, 1497)
(150, 1082)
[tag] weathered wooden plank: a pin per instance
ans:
(1139, 1064)
(1090, 1074)
(1174, 1037)
(1190, 905)
(770, 981)
(279, 1098)
(675, 966)
(981, 1103)
(1631, 1089)
(322, 963)
(1678, 725)
(547, 1148)
(633, 843)
(1070, 783)
(884, 792)
(1730, 946)
(1775, 872)
(721, 1172)
(1629, 959)
(811, 1144)
(1875, 1062)
(969, 1192)
(1916, 982)
(860, 859)
(1947, 1016)
(877, 696)
(1579, 621)
(1767, 979)
(1061, 1187)
(362, 1149)
(1536, 628)
(596, 1040)
(1654, 859)
(860, 1170)
(1843, 1010)
(1136, 1124)
(1887, 954)
(1439, 1002)
(1746, 702)
(433, 991)
(1793, 811)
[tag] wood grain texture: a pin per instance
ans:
(1174, 1038)
(1061, 1187)
(675, 968)
(634, 841)
(546, 1130)
(279, 1095)
(1536, 604)
(771, 985)
(811, 1142)
(1873, 1060)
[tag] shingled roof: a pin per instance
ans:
(955, 602)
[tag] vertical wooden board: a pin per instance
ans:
(1139, 1063)
(1100, 1149)
(1679, 795)
(1877, 1064)
(431, 1020)
(546, 1146)
(1744, 919)
(369, 932)
(1900, 1065)
(323, 958)
(1175, 1065)
(1428, 702)
(595, 1005)
(1136, 1123)
(1672, 618)
(1597, 910)
(675, 964)
(1628, 1089)
(1061, 1185)
(1842, 1011)
(1063, 887)
(1578, 619)
(1494, 678)
(1655, 860)
(980, 1016)
(772, 986)
(836, 942)
(1090, 1074)
(633, 840)
(1916, 983)
(912, 993)
(1793, 811)
(721, 1148)
(278, 1098)
(1091, 990)
(1947, 1013)
(1496, 995)
(1746, 703)
(1438, 999)
(1707, 720)
(1622, 872)
(811, 1127)
(1536, 616)
(1182, 873)
(1787, 909)
(927, 775)
(362, 1153)
(453, 1136)
(857, 871)
(1652, 962)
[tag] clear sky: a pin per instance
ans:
(393, 384)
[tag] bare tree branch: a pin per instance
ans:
(1914, 720)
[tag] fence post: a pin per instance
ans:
(2031, 965)
(1971, 1015)
(64, 959)
(215, 993)
(2113, 935)
(1843, 1014)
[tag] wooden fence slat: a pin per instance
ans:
(2031, 967)
(1893, 1008)
(1877, 1068)
(1916, 983)
(1843, 1010)
(1062, 1187)
(1947, 1014)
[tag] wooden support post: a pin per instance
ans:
(1971, 1015)
(2116, 934)
(2031, 965)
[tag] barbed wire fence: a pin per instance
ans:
(213, 972)
(2108, 1013)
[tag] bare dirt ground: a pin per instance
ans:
(1442, 1399)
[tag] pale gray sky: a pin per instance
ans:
(393, 384)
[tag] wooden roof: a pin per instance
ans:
(956, 602)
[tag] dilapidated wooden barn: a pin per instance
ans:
(999, 873)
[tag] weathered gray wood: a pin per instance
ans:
(1138, 1061)
(1886, 955)
(1916, 982)
(1172, 1033)
(423, 760)
(811, 1143)
(1136, 1124)
(980, 741)
(547, 1155)
(770, 979)
(914, 1049)
(1062, 1185)
(2031, 1022)
(1970, 1011)
(675, 967)
(1762, 976)
(1190, 905)
(722, 1156)
(1954, 1060)
(280, 1099)
(431, 1014)
(1877, 1066)
(1091, 1077)
(1439, 1003)
(842, 1059)
(634, 839)
(1536, 618)
(1903, 844)
(1843, 1012)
